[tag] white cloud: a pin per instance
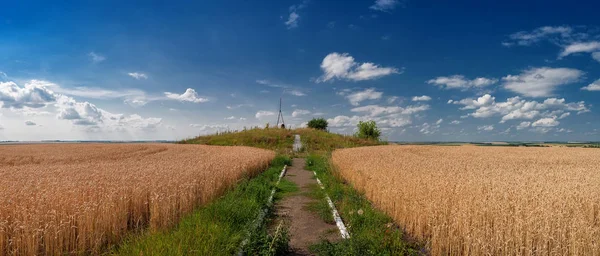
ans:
(516, 108)
(292, 21)
(460, 82)
(541, 82)
(546, 122)
(30, 123)
(578, 47)
(596, 56)
(96, 119)
(526, 38)
(485, 128)
(287, 89)
(384, 5)
(295, 92)
(263, 113)
(32, 95)
(523, 125)
(137, 75)
(427, 128)
(357, 97)
(189, 95)
(343, 66)
(210, 127)
(421, 98)
(455, 122)
(392, 99)
(440, 121)
(238, 106)
(300, 112)
(294, 17)
(230, 118)
(595, 86)
(96, 58)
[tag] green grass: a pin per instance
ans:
(219, 227)
(281, 140)
(371, 231)
(320, 205)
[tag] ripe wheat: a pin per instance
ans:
(484, 200)
(80, 198)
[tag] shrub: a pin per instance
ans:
(318, 123)
(368, 130)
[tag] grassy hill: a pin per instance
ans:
(281, 140)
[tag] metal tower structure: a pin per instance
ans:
(280, 116)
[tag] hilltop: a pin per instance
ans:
(281, 140)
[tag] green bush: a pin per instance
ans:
(368, 130)
(318, 123)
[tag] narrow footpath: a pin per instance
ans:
(306, 227)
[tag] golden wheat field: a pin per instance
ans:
(79, 198)
(470, 200)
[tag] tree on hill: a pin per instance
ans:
(318, 123)
(368, 130)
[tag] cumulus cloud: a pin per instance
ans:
(343, 66)
(230, 118)
(32, 95)
(137, 75)
(264, 113)
(30, 123)
(96, 119)
(96, 58)
(300, 112)
(392, 99)
(421, 98)
(541, 82)
(189, 95)
(440, 121)
(460, 82)
(579, 47)
(36, 94)
(455, 122)
(385, 5)
(485, 128)
(546, 122)
(595, 86)
(516, 108)
(355, 98)
(386, 116)
(523, 125)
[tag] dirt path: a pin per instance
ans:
(306, 227)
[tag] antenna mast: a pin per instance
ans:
(280, 116)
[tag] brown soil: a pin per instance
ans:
(306, 227)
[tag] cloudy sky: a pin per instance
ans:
(424, 70)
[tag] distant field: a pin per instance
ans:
(472, 200)
(80, 198)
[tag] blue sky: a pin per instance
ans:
(424, 70)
